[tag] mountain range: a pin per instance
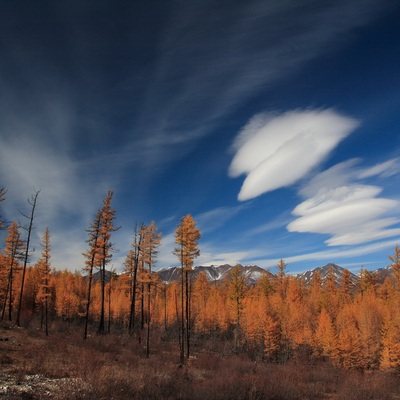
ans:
(214, 273)
(253, 273)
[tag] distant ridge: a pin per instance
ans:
(324, 272)
(217, 273)
(214, 273)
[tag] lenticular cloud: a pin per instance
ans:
(277, 151)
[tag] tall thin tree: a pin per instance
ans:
(44, 267)
(13, 252)
(151, 243)
(92, 260)
(131, 268)
(236, 289)
(32, 202)
(186, 236)
(106, 247)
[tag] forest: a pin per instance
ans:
(276, 321)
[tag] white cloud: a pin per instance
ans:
(386, 169)
(351, 213)
(278, 151)
(231, 258)
(67, 200)
(333, 254)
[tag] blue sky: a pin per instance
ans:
(274, 123)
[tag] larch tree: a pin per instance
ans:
(346, 287)
(105, 250)
(281, 278)
(367, 281)
(201, 292)
(186, 236)
(149, 249)
(99, 254)
(92, 259)
(44, 288)
(395, 266)
(271, 337)
(236, 290)
(330, 299)
(326, 336)
(13, 252)
(390, 342)
(32, 202)
(131, 269)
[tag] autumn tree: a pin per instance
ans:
(236, 289)
(367, 281)
(330, 298)
(71, 294)
(92, 259)
(131, 269)
(271, 337)
(265, 284)
(149, 250)
(201, 293)
(32, 202)
(395, 266)
(105, 250)
(13, 252)
(44, 288)
(390, 353)
(186, 236)
(346, 287)
(281, 281)
(326, 335)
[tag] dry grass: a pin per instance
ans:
(64, 366)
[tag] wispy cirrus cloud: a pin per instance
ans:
(213, 59)
(333, 254)
(277, 151)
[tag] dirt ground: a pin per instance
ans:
(17, 349)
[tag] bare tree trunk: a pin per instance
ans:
(88, 299)
(8, 296)
(187, 312)
(182, 335)
(148, 320)
(101, 329)
(32, 202)
(132, 315)
(46, 308)
(165, 309)
(109, 307)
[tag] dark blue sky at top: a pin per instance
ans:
(148, 98)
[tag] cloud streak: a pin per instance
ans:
(278, 151)
(349, 212)
(333, 254)
(247, 49)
